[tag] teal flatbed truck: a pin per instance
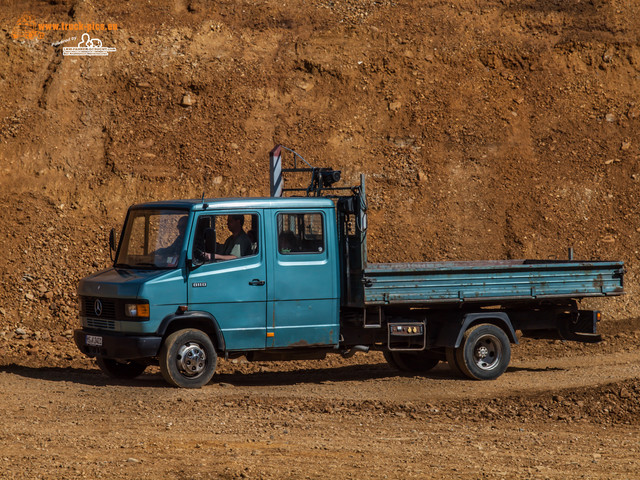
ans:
(292, 282)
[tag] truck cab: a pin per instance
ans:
(277, 288)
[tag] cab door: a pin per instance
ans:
(304, 285)
(233, 291)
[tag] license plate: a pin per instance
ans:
(94, 340)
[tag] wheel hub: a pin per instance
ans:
(487, 352)
(482, 352)
(191, 359)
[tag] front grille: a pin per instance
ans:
(100, 323)
(108, 305)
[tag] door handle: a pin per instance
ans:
(256, 282)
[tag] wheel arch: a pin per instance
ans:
(194, 319)
(452, 332)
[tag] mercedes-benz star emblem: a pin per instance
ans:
(97, 307)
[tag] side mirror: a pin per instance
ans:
(112, 242)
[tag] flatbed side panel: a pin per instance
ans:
(479, 281)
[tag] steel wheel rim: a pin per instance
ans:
(487, 352)
(191, 360)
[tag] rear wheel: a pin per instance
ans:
(121, 369)
(416, 362)
(450, 354)
(188, 359)
(484, 353)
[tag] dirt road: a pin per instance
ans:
(560, 411)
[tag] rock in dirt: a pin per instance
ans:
(187, 100)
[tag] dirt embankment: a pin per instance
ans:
(486, 129)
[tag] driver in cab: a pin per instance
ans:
(238, 244)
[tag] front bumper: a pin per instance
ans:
(124, 347)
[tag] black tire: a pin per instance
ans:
(188, 359)
(415, 362)
(121, 369)
(484, 353)
(450, 354)
(391, 360)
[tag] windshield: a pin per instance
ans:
(152, 239)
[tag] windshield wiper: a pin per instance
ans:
(122, 265)
(137, 265)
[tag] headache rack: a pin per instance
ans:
(351, 207)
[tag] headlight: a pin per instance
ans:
(136, 310)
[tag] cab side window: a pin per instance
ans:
(300, 233)
(237, 236)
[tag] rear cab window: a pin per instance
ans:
(301, 233)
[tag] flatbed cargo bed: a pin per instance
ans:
(490, 281)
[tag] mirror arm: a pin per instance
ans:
(112, 243)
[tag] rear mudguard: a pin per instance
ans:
(452, 332)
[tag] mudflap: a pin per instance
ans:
(580, 327)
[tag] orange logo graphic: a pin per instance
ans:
(26, 28)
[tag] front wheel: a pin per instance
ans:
(188, 359)
(484, 353)
(415, 362)
(121, 369)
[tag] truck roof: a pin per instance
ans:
(253, 202)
